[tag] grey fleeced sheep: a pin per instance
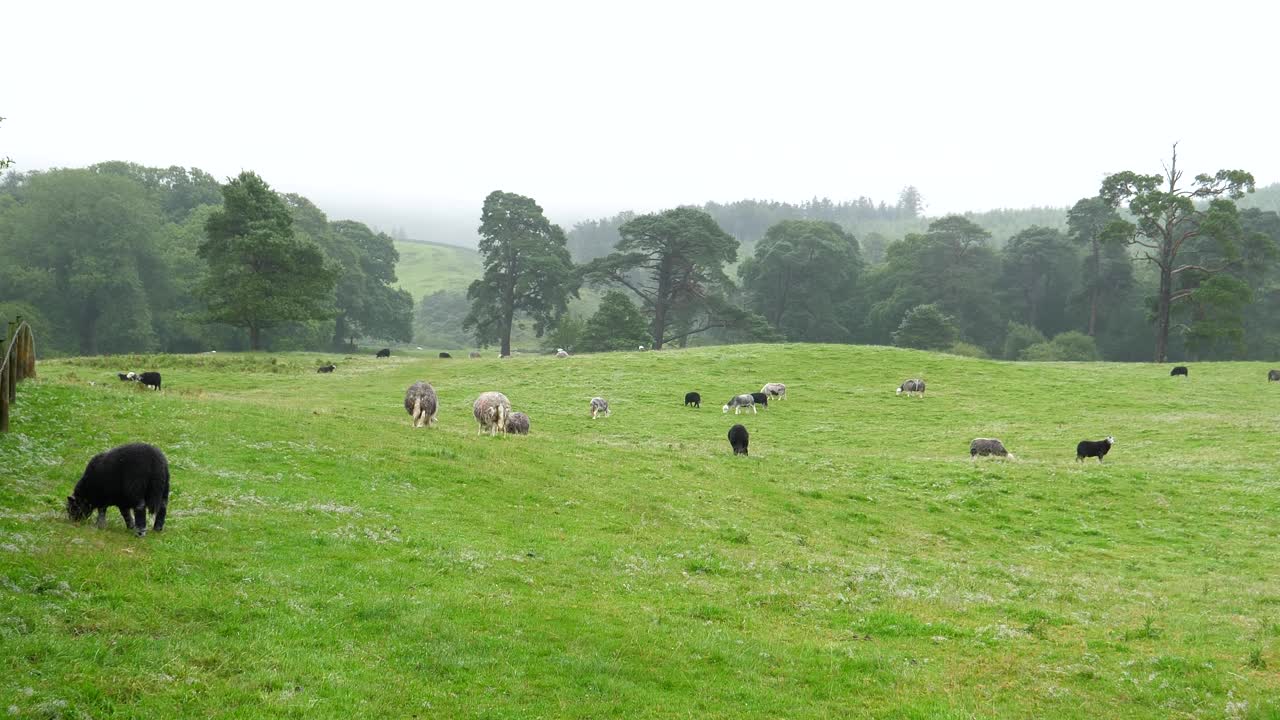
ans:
(777, 390)
(988, 446)
(1094, 448)
(599, 406)
(738, 402)
(560, 353)
(915, 386)
(134, 478)
(518, 424)
(1273, 375)
(421, 403)
(475, 354)
(491, 410)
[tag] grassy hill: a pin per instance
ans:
(324, 558)
(426, 267)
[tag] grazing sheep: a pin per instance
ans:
(560, 353)
(445, 356)
(738, 438)
(737, 402)
(599, 406)
(491, 410)
(327, 368)
(384, 352)
(693, 399)
(421, 403)
(912, 387)
(134, 478)
(761, 399)
(1273, 375)
(988, 446)
(475, 354)
(777, 390)
(1094, 448)
(127, 376)
(1180, 370)
(150, 380)
(518, 424)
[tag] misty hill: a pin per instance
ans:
(426, 267)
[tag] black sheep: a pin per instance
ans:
(762, 399)
(150, 380)
(738, 439)
(132, 477)
(445, 356)
(1180, 370)
(384, 352)
(1094, 448)
(327, 368)
(693, 399)
(1273, 375)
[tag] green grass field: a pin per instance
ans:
(426, 267)
(324, 559)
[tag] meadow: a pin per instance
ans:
(323, 558)
(427, 267)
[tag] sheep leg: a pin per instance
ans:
(101, 522)
(128, 521)
(158, 523)
(140, 520)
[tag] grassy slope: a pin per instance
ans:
(322, 557)
(425, 268)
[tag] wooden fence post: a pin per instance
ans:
(4, 378)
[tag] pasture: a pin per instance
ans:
(323, 558)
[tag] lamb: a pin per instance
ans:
(560, 353)
(1094, 448)
(988, 446)
(327, 368)
(491, 410)
(599, 406)
(777, 390)
(1273, 375)
(693, 399)
(384, 352)
(518, 424)
(421, 403)
(127, 376)
(445, 356)
(737, 402)
(738, 438)
(132, 477)
(150, 380)
(912, 387)
(475, 355)
(1180, 370)
(761, 399)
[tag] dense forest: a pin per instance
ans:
(119, 257)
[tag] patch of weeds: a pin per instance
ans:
(735, 535)
(1148, 631)
(1255, 661)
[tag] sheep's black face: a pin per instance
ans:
(78, 508)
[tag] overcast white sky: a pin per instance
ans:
(381, 110)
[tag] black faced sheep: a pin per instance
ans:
(738, 439)
(421, 403)
(127, 376)
(1273, 375)
(1094, 448)
(1180, 370)
(491, 410)
(762, 399)
(912, 387)
(134, 478)
(693, 399)
(384, 352)
(737, 402)
(150, 380)
(327, 368)
(777, 390)
(475, 355)
(445, 356)
(518, 424)
(599, 406)
(988, 446)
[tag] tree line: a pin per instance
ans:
(119, 257)
(1152, 267)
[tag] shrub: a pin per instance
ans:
(1067, 346)
(968, 350)
(925, 327)
(1019, 337)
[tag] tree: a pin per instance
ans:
(369, 305)
(925, 327)
(1066, 347)
(803, 278)
(5, 160)
(616, 325)
(1038, 273)
(910, 202)
(260, 273)
(527, 270)
(1019, 337)
(1169, 217)
(674, 262)
(1104, 275)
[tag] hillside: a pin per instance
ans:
(426, 267)
(323, 558)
